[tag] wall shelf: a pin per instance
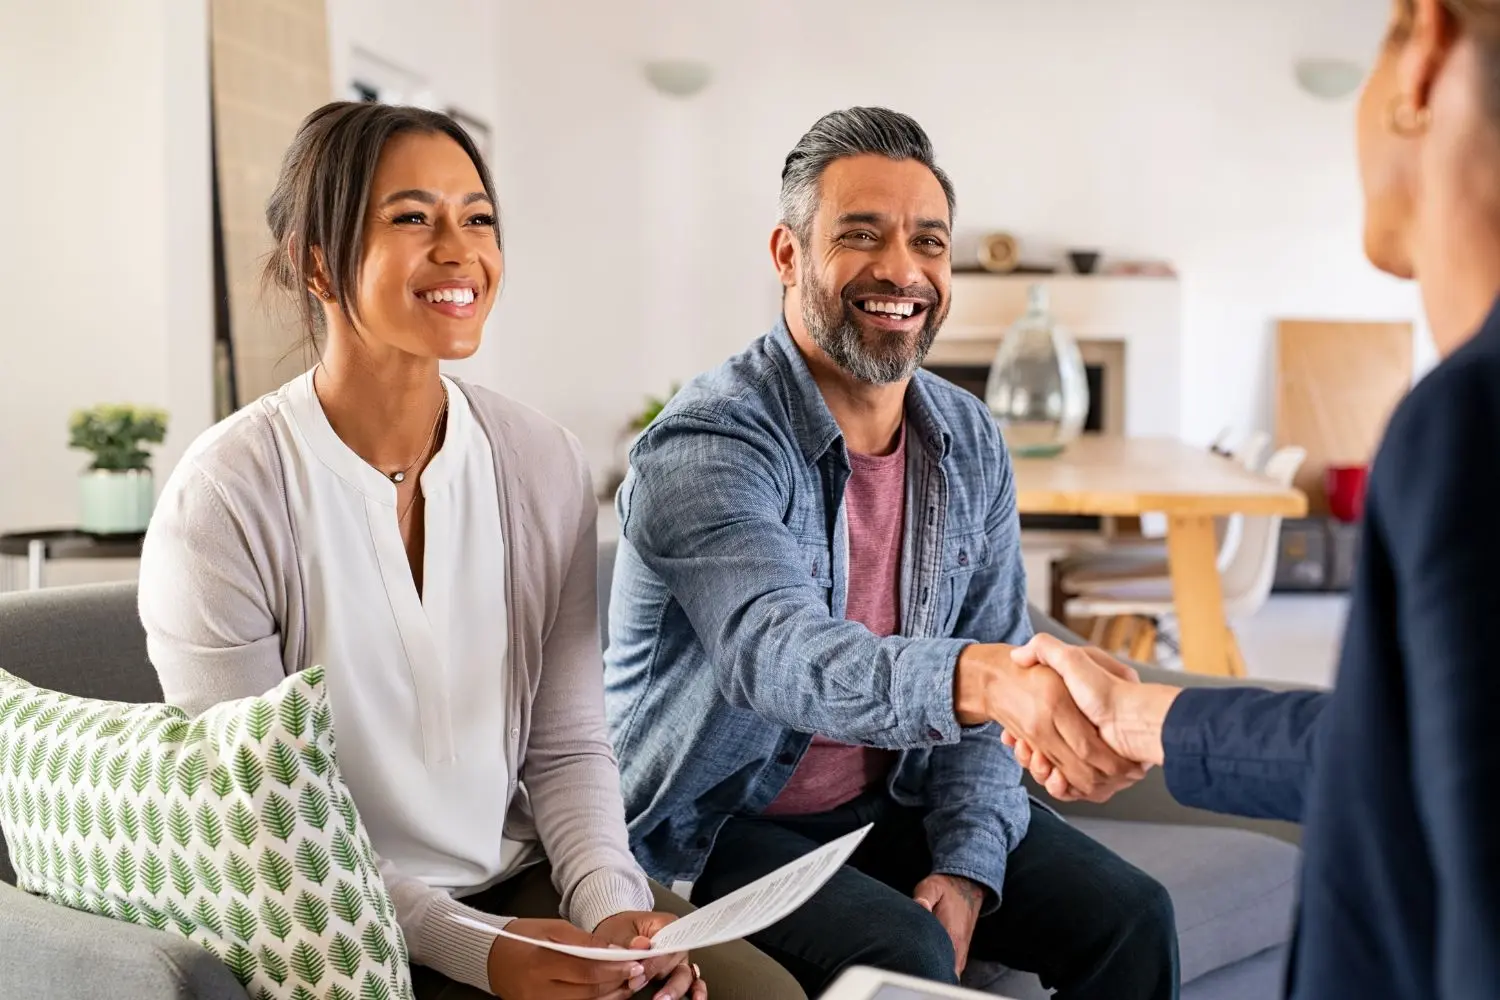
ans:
(1022, 274)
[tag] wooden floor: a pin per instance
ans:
(1295, 638)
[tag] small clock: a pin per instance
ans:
(999, 252)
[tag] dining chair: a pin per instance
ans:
(1129, 611)
(1145, 559)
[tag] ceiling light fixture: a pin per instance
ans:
(1329, 79)
(678, 77)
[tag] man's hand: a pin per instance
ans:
(1034, 705)
(521, 971)
(1109, 693)
(635, 929)
(955, 902)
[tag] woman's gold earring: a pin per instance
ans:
(1405, 119)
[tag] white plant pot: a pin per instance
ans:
(115, 503)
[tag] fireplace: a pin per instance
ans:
(1103, 364)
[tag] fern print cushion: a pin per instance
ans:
(234, 830)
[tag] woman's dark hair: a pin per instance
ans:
(1479, 19)
(323, 190)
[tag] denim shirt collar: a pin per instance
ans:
(815, 427)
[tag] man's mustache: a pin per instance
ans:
(923, 293)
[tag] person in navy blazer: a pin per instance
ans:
(1396, 773)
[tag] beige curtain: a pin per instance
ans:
(270, 68)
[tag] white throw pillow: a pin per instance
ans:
(233, 830)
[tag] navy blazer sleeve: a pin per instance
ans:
(1243, 751)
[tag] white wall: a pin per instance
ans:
(1162, 128)
(106, 268)
(581, 249)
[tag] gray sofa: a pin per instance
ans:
(1231, 883)
(88, 641)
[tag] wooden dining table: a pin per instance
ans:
(1116, 476)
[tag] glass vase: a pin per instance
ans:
(1038, 391)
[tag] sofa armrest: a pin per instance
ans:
(48, 950)
(1149, 801)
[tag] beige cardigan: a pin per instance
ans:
(222, 601)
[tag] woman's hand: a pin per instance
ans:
(521, 971)
(635, 929)
(1129, 714)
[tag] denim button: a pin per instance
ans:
(963, 557)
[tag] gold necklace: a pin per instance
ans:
(409, 505)
(399, 476)
(426, 452)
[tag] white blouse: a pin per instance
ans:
(417, 682)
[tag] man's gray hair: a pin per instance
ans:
(851, 132)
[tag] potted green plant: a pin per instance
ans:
(633, 430)
(116, 492)
(652, 410)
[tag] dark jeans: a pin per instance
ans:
(1088, 923)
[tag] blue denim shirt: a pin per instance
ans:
(728, 644)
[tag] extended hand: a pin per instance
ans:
(1109, 693)
(635, 929)
(1034, 705)
(521, 971)
(955, 902)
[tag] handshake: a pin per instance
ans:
(1078, 719)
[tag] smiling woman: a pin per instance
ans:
(431, 545)
(364, 187)
(387, 234)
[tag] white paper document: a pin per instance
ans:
(739, 914)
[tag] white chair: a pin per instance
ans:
(1246, 576)
(1230, 530)
(1142, 560)
(1220, 444)
(1253, 450)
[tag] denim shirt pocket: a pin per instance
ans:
(964, 554)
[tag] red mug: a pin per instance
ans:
(1345, 486)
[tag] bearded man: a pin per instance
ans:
(817, 591)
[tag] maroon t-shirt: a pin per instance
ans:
(833, 773)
